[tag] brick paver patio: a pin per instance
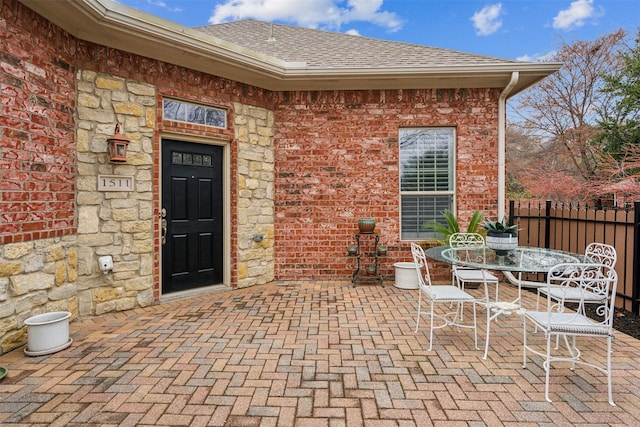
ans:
(304, 354)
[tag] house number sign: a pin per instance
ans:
(115, 183)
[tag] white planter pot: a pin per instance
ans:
(406, 275)
(47, 333)
(502, 243)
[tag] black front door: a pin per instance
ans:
(192, 205)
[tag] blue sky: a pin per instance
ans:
(510, 29)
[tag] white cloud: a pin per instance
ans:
(307, 13)
(546, 57)
(487, 21)
(163, 5)
(575, 16)
(525, 58)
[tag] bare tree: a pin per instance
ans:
(561, 112)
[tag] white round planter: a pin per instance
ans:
(406, 275)
(47, 333)
(502, 243)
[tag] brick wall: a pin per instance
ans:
(337, 161)
(37, 145)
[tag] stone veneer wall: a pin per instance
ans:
(35, 277)
(254, 136)
(116, 223)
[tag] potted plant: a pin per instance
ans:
(501, 237)
(452, 226)
(444, 228)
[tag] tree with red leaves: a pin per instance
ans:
(552, 147)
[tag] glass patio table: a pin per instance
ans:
(522, 259)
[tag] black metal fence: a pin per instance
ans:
(571, 228)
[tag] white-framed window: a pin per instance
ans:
(194, 113)
(427, 184)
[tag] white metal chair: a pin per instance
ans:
(461, 275)
(575, 280)
(596, 253)
(464, 275)
(473, 252)
(440, 294)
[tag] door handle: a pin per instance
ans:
(163, 226)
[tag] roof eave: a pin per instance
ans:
(477, 76)
(112, 24)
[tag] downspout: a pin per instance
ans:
(502, 144)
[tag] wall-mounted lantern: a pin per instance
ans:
(117, 147)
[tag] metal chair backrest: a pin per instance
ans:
(588, 279)
(468, 247)
(420, 261)
(601, 253)
(466, 239)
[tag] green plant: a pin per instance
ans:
(499, 227)
(450, 225)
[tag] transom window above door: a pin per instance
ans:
(427, 173)
(194, 113)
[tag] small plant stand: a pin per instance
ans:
(367, 241)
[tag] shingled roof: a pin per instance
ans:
(298, 58)
(324, 49)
